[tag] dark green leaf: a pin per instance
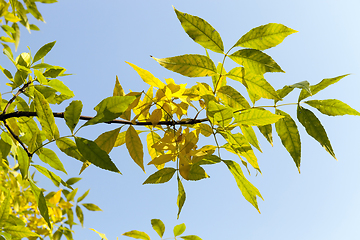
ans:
(191, 237)
(197, 173)
(94, 154)
(209, 159)
(73, 180)
(161, 176)
(91, 207)
(314, 128)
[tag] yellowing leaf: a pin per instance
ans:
(161, 176)
(158, 226)
(232, 98)
(190, 65)
(179, 229)
(148, 77)
(103, 237)
(72, 114)
(289, 135)
(137, 235)
(259, 86)
(43, 51)
(106, 140)
(41, 202)
(56, 198)
(256, 117)
(250, 136)
(201, 31)
(118, 90)
(181, 196)
(255, 61)
(332, 107)
(91, 207)
(135, 147)
(49, 156)
(164, 158)
(265, 36)
(20, 231)
(156, 116)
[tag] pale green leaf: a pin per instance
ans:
(250, 136)
(118, 90)
(41, 202)
(201, 31)
(69, 147)
(161, 176)
(333, 107)
(255, 61)
(148, 77)
(5, 206)
(265, 36)
(137, 235)
(288, 132)
(314, 128)
(181, 196)
(43, 51)
(259, 86)
(232, 98)
(47, 173)
(83, 196)
(49, 156)
(72, 114)
(60, 87)
(107, 140)
(94, 154)
(179, 229)
(91, 207)
(190, 65)
(255, 117)
(305, 85)
(45, 116)
(247, 189)
(221, 114)
(40, 77)
(283, 92)
(24, 161)
(158, 226)
(20, 231)
(320, 86)
(238, 74)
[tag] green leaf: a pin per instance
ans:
(190, 65)
(110, 108)
(266, 131)
(201, 31)
(72, 114)
(135, 147)
(332, 107)
(158, 226)
(209, 159)
(148, 77)
(73, 180)
(320, 86)
(179, 229)
(265, 36)
(288, 132)
(197, 173)
(91, 207)
(48, 156)
(314, 128)
(83, 196)
(60, 87)
(181, 196)
(255, 117)
(258, 85)
(161, 176)
(94, 154)
(45, 116)
(250, 136)
(137, 235)
(191, 237)
(41, 202)
(232, 98)
(40, 77)
(305, 85)
(255, 61)
(41, 66)
(80, 215)
(69, 147)
(5, 206)
(24, 162)
(223, 115)
(70, 196)
(43, 51)
(20, 231)
(54, 71)
(107, 140)
(247, 189)
(284, 91)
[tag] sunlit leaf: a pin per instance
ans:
(247, 189)
(259, 86)
(265, 36)
(161, 159)
(106, 140)
(91, 207)
(250, 136)
(72, 114)
(320, 86)
(158, 226)
(223, 115)
(288, 132)
(196, 173)
(20, 231)
(5, 206)
(179, 229)
(156, 116)
(332, 107)
(266, 131)
(305, 85)
(83, 196)
(45, 116)
(49, 156)
(102, 235)
(232, 98)
(118, 90)
(80, 215)
(191, 237)
(24, 162)
(52, 176)
(161, 176)
(43, 51)
(190, 65)
(148, 77)
(137, 235)
(201, 31)
(314, 128)
(60, 87)
(181, 196)
(94, 154)
(135, 147)
(73, 180)
(256, 117)
(255, 61)
(69, 147)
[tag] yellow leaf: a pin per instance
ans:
(156, 116)
(65, 205)
(147, 76)
(135, 147)
(56, 198)
(118, 90)
(162, 159)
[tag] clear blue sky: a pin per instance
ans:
(95, 38)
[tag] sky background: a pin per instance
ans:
(95, 38)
